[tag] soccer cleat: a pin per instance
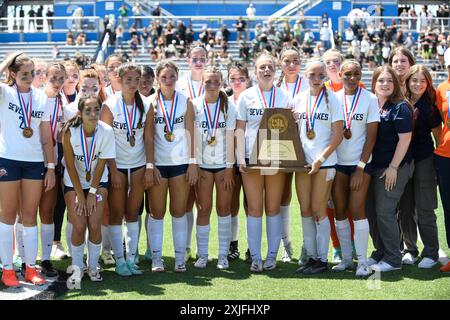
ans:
(58, 252)
(305, 265)
(318, 267)
(233, 252)
(383, 266)
(409, 259)
(222, 263)
(270, 264)
(257, 266)
(157, 265)
(303, 258)
(427, 263)
(180, 267)
(107, 258)
(201, 262)
(343, 265)
(134, 269)
(94, 275)
(9, 278)
(286, 253)
(47, 269)
(187, 255)
(248, 256)
(445, 268)
(32, 275)
(337, 255)
(148, 255)
(363, 270)
(122, 269)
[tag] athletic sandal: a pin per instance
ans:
(32, 275)
(9, 278)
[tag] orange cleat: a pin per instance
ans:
(445, 268)
(9, 278)
(32, 275)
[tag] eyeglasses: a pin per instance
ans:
(198, 60)
(288, 62)
(238, 80)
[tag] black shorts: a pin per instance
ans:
(13, 170)
(101, 185)
(130, 170)
(213, 171)
(348, 170)
(168, 172)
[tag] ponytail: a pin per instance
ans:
(223, 102)
(140, 105)
(280, 80)
(325, 93)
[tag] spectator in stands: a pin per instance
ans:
(251, 12)
(49, 14)
(133, 30)
(22, 18)
(157, 10)
(189, 35)
(226, 33)
(409, 42)
(69, 38)
(298, 31)
(119, 35)
(386, 51)
(169, 33)
(309, 37)
(412, 23)
(181, 31)
(440, 53)
(137, 11)
(144, 39)
(55, 52)
(307, 50)
(171, 51)
(240, 28)
(80, 60)
(39, 15)
(123, 14)
(81, 39)
(134, 42)
(301, 17)
(78, 14)
(31, 15)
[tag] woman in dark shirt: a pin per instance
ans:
(392, 168)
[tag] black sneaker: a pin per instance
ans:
(248, 256)
(318, 267)
(233, 253)
(307, 265)
(47, 269)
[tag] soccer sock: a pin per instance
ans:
(156, 232)
(147, 230)
(69, 228)
(19, 240)
(361, 239)
(343, 232)
(323, 238)
(285, 212)
(273, 231)
(224, 226)
(179, 234)
(132, 239)
(234, 228)
(115, 234)
(309, 237)
(106, 240)
(254, 234)
(47, 235)
(190, 225)
(77, 256)
(6, 245)
(202, 235)
(30, 241)
(139, 233)
(93, 254)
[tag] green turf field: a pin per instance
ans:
(282, 283)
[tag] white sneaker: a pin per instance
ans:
(107, 258)
(371, 262)
(303, 258)
(409, 259)
(180, 267)
(157, 265)
(201, 262)
(94, 275)
(222, 263)
(427, 263)
(270, 264)
(58, 252)
(383, 267)
(286, 253)
(343, 265)
(257, 266)
(363, 270)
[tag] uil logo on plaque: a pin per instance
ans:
(277, 145)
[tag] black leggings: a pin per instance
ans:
(60, 207)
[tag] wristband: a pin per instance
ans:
(51, 165)
(230, 165)
(92, 190)
(392, 167)
(192, 161)
(361, 164)
(149, 165)
(321, 159)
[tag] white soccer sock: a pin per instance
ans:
(156, 233)
(30, 241)
(190, 225)
(93, 254)
(344, 235)
(234, 228)
(323, 238)
(19, 241)
(179, 234)
(115, 234)
(106, 240)
(69, 228)
(285, 212)
(309, 237)
(147, 230)
(132, 239)
(224, 226)
(77, 256)
(361, 239)
(6, 245)
(202, 236)
(47, 235)
(254, 234)
(273, 231)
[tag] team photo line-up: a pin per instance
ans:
(105, 144)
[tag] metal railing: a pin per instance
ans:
(49, 24)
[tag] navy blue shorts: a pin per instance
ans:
(101, 185)
(213, 171)
(125, 171)
(168, 172)
(348, 170)
(13, 170)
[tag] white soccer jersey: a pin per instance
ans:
(366, 111)
(65, 98)
(105, 149)
(71, 110)
(109, 91)
(127, 156)
(13, 145)
(190, 88)
(56, 110)
(251, 109)
(171, 153)
(294, 88)
(324, 117)
(213, 156)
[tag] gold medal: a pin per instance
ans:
(347, 134)
(310, 134)
(132, 141)
(27, 132)
(212, 141)
(169, 136)
(88, 176)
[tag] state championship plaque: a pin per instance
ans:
(277, 145)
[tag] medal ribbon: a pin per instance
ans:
(263, 100)
(169, 119)
(348, 114)
(130, 119)
(192, 89)
(211, 123)
(297, 86)
(311, 116)
(27, 109)
(88, 154)
(54, 117)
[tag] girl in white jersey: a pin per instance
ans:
(40, 67)
(361, 114)
(112, 63)
(25, 139)
(262, 191)
(239, 80)
(130, 118)
(320, 124)
(69, 91)
(214, 128)
(175, 166)
(291, 81)
(88, 143)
